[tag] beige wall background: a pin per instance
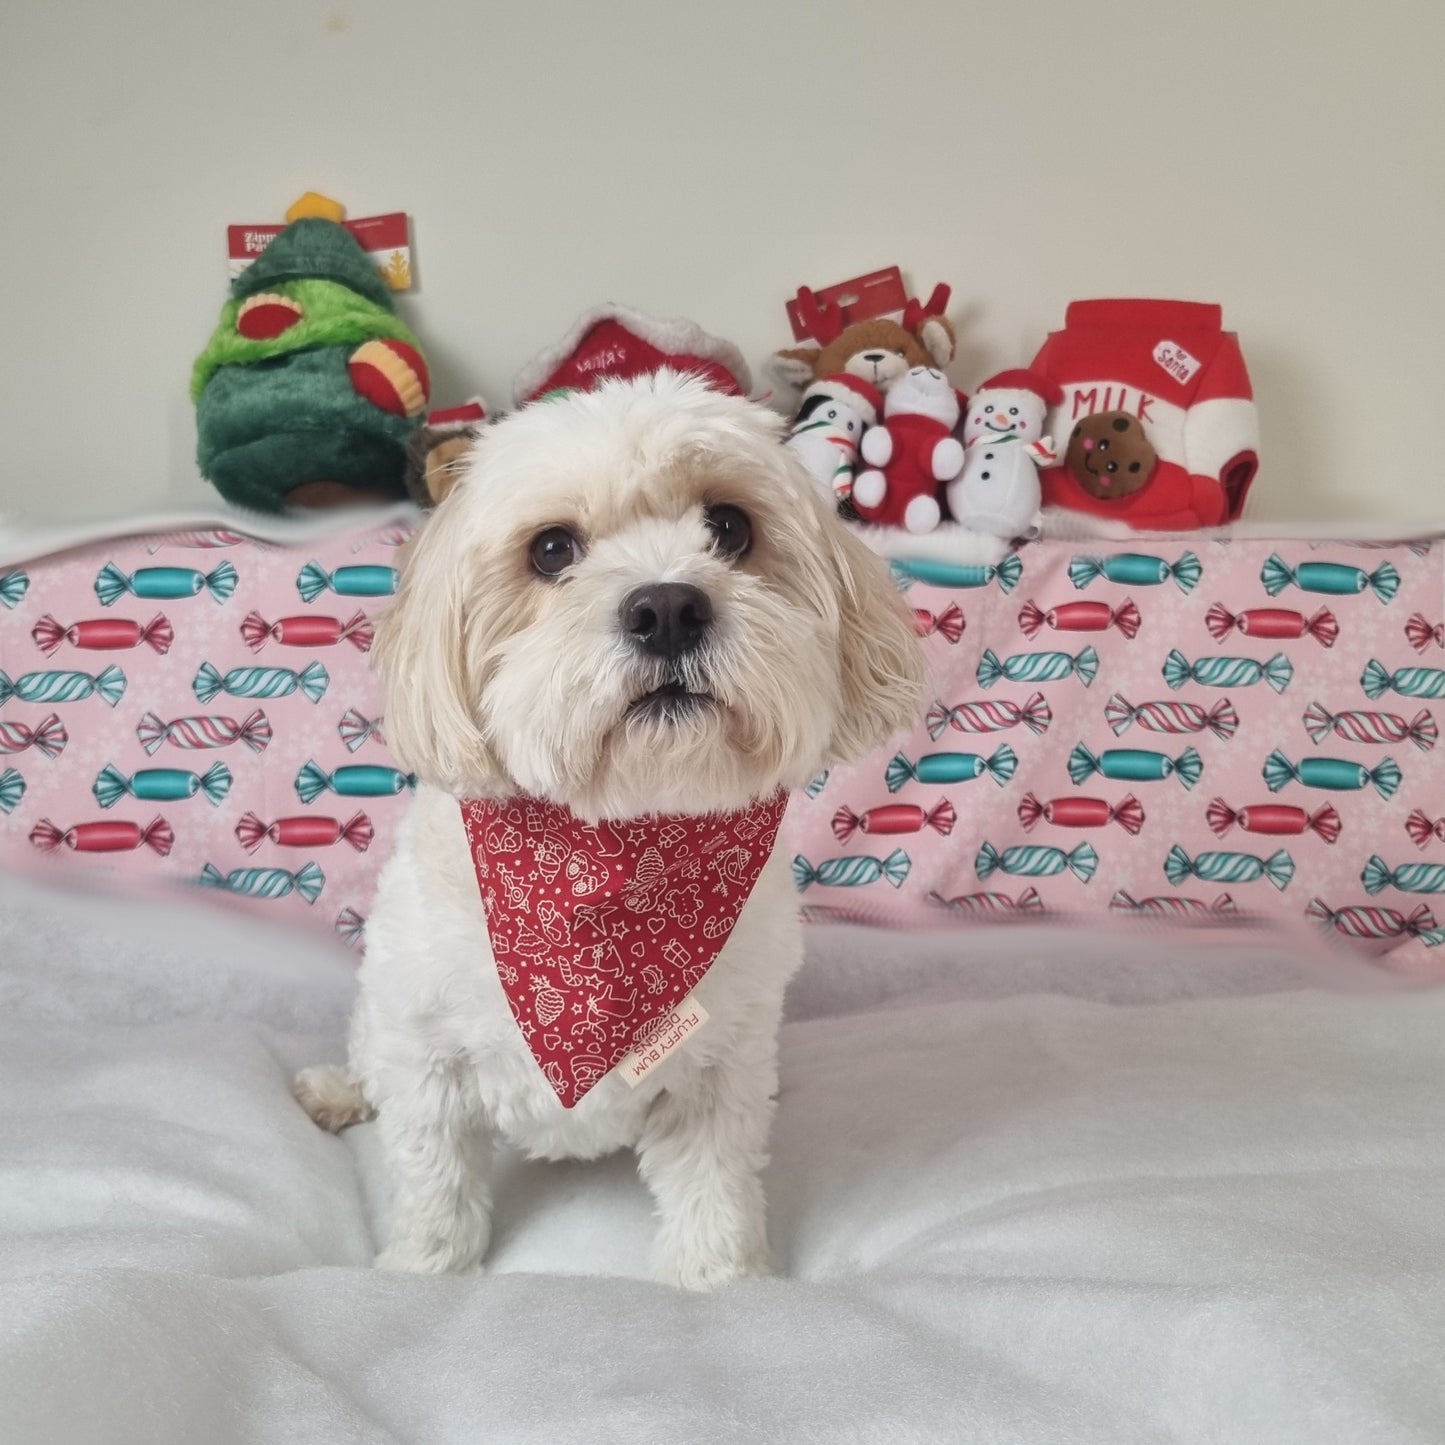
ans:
(1284, 158)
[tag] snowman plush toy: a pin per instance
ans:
(998, 489)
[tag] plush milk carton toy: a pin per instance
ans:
(998, 490)
(1156, 418)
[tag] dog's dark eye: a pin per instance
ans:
(732, 533)
(554, 551)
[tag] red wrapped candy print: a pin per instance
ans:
(1272, 624)
(1072, 812)
(1273, 818)
(895, 818)
(307, 631)
(948, 624)
(112, 835)
(1081, 617)
(305, 831)
(104, 634)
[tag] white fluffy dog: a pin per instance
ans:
(633, 603)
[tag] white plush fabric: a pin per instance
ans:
(1024, 1188)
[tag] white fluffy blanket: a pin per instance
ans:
(1023, 1189)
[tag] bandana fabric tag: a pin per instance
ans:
(662, 1038)
(601, 931)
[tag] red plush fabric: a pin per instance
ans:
(1171, 364)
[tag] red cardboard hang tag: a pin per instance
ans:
(386, 239)
(879, 293)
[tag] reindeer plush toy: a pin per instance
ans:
(879, 350)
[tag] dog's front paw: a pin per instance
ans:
(423, 1252)
(407, 1257)
(703, 1270)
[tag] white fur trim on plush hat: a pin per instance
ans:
(863, 395)
(675, 335)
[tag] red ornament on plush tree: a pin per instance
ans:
(392, 375)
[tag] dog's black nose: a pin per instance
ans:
(666, 618)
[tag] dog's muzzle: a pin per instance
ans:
(666, 619)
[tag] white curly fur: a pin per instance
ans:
(497, 681)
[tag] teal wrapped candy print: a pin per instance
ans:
(1227, 671)
(1377, 680)
(1331, 578)
(162, 785)
(13, 587)
(1337, 775)
(1216, 867)
(307, 881)
(1135, 569)
(311, 681)
(1408, 877)
(957, 574)
(164, 583)
(356, 581)
(1038, 667)
(852, 872)
(356, 780)
(951, 768)
(1135, 765)
(1030, 860)
(55, 686)
(12, 789)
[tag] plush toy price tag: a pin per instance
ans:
(385, 239)
(879, 293)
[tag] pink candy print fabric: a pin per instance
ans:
(198, 707)
(1198, 731)
(1191, 731)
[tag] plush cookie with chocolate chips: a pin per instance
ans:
(1110, 455)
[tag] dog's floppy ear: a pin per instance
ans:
(431, 691)
(879, 654)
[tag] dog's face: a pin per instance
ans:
(634, 601)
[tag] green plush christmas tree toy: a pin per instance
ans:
(311, 385)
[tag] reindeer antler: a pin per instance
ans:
(823, 322)
(916, 313)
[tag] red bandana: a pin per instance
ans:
(600, 930)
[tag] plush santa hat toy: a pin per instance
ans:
(616, 341)
(835, 412)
